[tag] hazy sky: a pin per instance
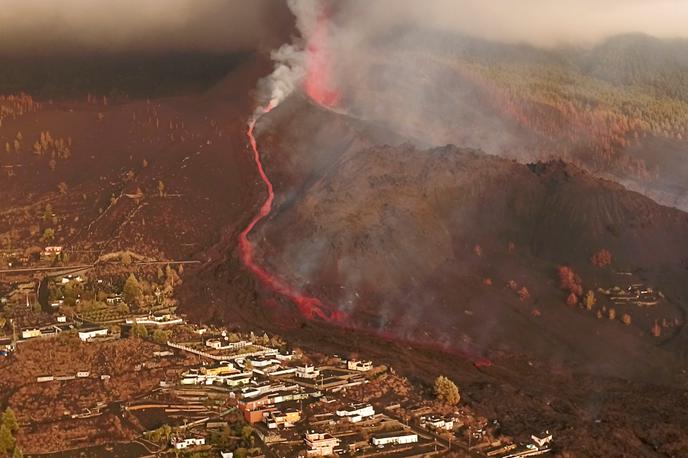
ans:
(540, 22)
(232, 24)
(139, 24)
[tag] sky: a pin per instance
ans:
(122, 25)
(126, 25)
(538, 22)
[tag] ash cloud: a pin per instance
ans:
(77, 26)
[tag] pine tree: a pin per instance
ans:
(6, 439)
(446, 391)
(9, 420)
(132, 290)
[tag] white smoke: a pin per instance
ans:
(288, 74)
(290, 59)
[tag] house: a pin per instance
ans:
(61, 319)
(307, 372)
(6, 345)
(82, 374)
(155, 320)
(163, 354)
(437, 423)
(226, 454)
(286, 419)
(52, 251)
(253, 404)
(543, 439)
(360, 366)
(31, 333)
(180, 443)
(91, 333)
(258, 414)
(357, 412)
(261, 361)
(394, 438)
(286, 356)
(225, 344)
(219, 370)
(320, 444)
(114, 299)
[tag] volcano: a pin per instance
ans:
(404, 240)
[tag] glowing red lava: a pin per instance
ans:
(319, 83)
(310, 307)
(319, 86)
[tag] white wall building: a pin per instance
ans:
(307, 371)
(360, 366)
(395, 439)
(357, 412)
(180, 443)
(31, 333)
(89, 334)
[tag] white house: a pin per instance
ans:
(156, 320)
(180, 443)
(360, 366)
(357, 412)
(307, 371)
(31, 333)
(396, 438)
(52, 250)
(543, 439)
(435, 422)
(88, 334)
(61, 319)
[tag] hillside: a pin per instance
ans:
(101, 174)
(390, 234)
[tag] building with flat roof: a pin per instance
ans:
(320, 444)
(394, 438)
(89, 334)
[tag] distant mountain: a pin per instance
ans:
(636, 59)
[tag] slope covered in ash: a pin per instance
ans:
(440, 243)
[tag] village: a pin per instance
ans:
(210, 391)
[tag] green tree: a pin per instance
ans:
(48, 234)
(132, 290)
(17, 453)
(138, 330)
(246, 433)
(9, 420)
(161, 337)
(161, 435)
(446, 391)
(6, 439)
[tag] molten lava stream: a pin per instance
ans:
(310, 307)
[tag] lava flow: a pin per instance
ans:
(310, 307)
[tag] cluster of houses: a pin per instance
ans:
(636, 293)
